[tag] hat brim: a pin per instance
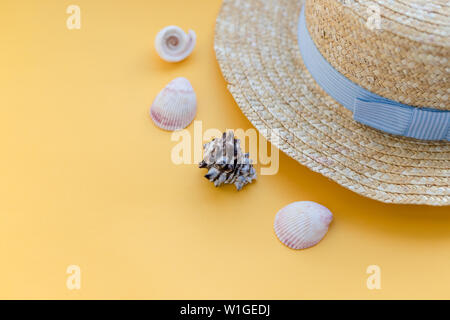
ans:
(257, 50)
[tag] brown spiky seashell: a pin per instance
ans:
(226, 163)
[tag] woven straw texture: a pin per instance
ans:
(257, 50)
(397, 61)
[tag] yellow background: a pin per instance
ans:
(87, 179)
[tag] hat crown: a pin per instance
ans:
(398, 50)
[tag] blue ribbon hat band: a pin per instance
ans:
(369, 108)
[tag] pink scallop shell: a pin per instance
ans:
(175, 106)
(302, 224)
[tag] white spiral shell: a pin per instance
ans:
(302, 224)
(173, 44)
(175, 106)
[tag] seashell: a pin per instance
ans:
(175, 106)
(226, 163)
(302, 224)
(173, 44)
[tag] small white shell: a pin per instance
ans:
(173, 44)
(302, 224)
(175, 106)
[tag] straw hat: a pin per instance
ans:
(366, 107)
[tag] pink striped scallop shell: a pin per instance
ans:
(175, 106)
(302, 224)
